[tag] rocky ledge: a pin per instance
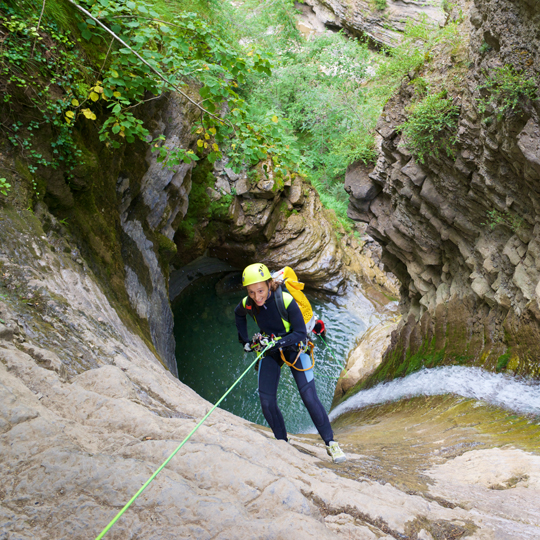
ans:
(254, 216)
(380, 22)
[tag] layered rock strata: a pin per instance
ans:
(381, 23)
(462, 233)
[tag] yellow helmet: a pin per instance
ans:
(254, 273)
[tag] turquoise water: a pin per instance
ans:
(210, 358)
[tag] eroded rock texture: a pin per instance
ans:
(153, 200)
(463, 234)
(381, 26)
(250, 217)
(88, 413)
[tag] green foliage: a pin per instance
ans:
(506, 91)
(430, 128)
(218, 209)
(421, 86)
(447, 6)
(506, 219)
(271, 25)
(316, 89)
(381, 5)
(36, 64)
(5, 186)
(484, 48)
(189, 48)
(503, 360)
(319, 90)
(420, 40)
(93, 79)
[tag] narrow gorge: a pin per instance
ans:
(387, 151)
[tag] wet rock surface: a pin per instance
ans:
(365, 357)
(461, 232)
(451, 452)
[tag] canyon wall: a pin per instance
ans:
(88, 413)
(131, 221)
(252, 216)
(380, 22)
(462, 232)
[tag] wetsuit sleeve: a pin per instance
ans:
(240, 317)
(298, 326)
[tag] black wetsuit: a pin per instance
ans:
(269, 321)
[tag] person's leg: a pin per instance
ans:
(306, 386)
(269, 373)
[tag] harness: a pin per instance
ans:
(283, 300)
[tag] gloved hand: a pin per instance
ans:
(254, 345)
(319, 329)
(259, 342)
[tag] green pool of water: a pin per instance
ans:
(210, 358)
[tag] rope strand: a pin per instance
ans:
(145, 485)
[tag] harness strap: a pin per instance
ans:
(311, 346)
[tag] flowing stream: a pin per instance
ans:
(210, 357)
(496, 389)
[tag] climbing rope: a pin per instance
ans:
(119, 515)
(339, 364)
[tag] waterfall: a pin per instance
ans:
(518, 395)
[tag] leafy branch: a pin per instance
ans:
(162, 77)
(146, 57)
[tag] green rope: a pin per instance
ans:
(117, 517)
(339, 364)
(331, 352)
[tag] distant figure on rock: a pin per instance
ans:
(277, 314)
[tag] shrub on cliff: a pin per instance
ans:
(430, 128)
(506, 90)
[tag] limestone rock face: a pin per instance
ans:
(150, 208)
(462, 233)
(283, 223)
(364, 358)
(382, 27)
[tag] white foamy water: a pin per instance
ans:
(493, 388)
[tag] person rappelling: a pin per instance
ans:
(278, 316)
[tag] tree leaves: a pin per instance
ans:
(89, 114)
